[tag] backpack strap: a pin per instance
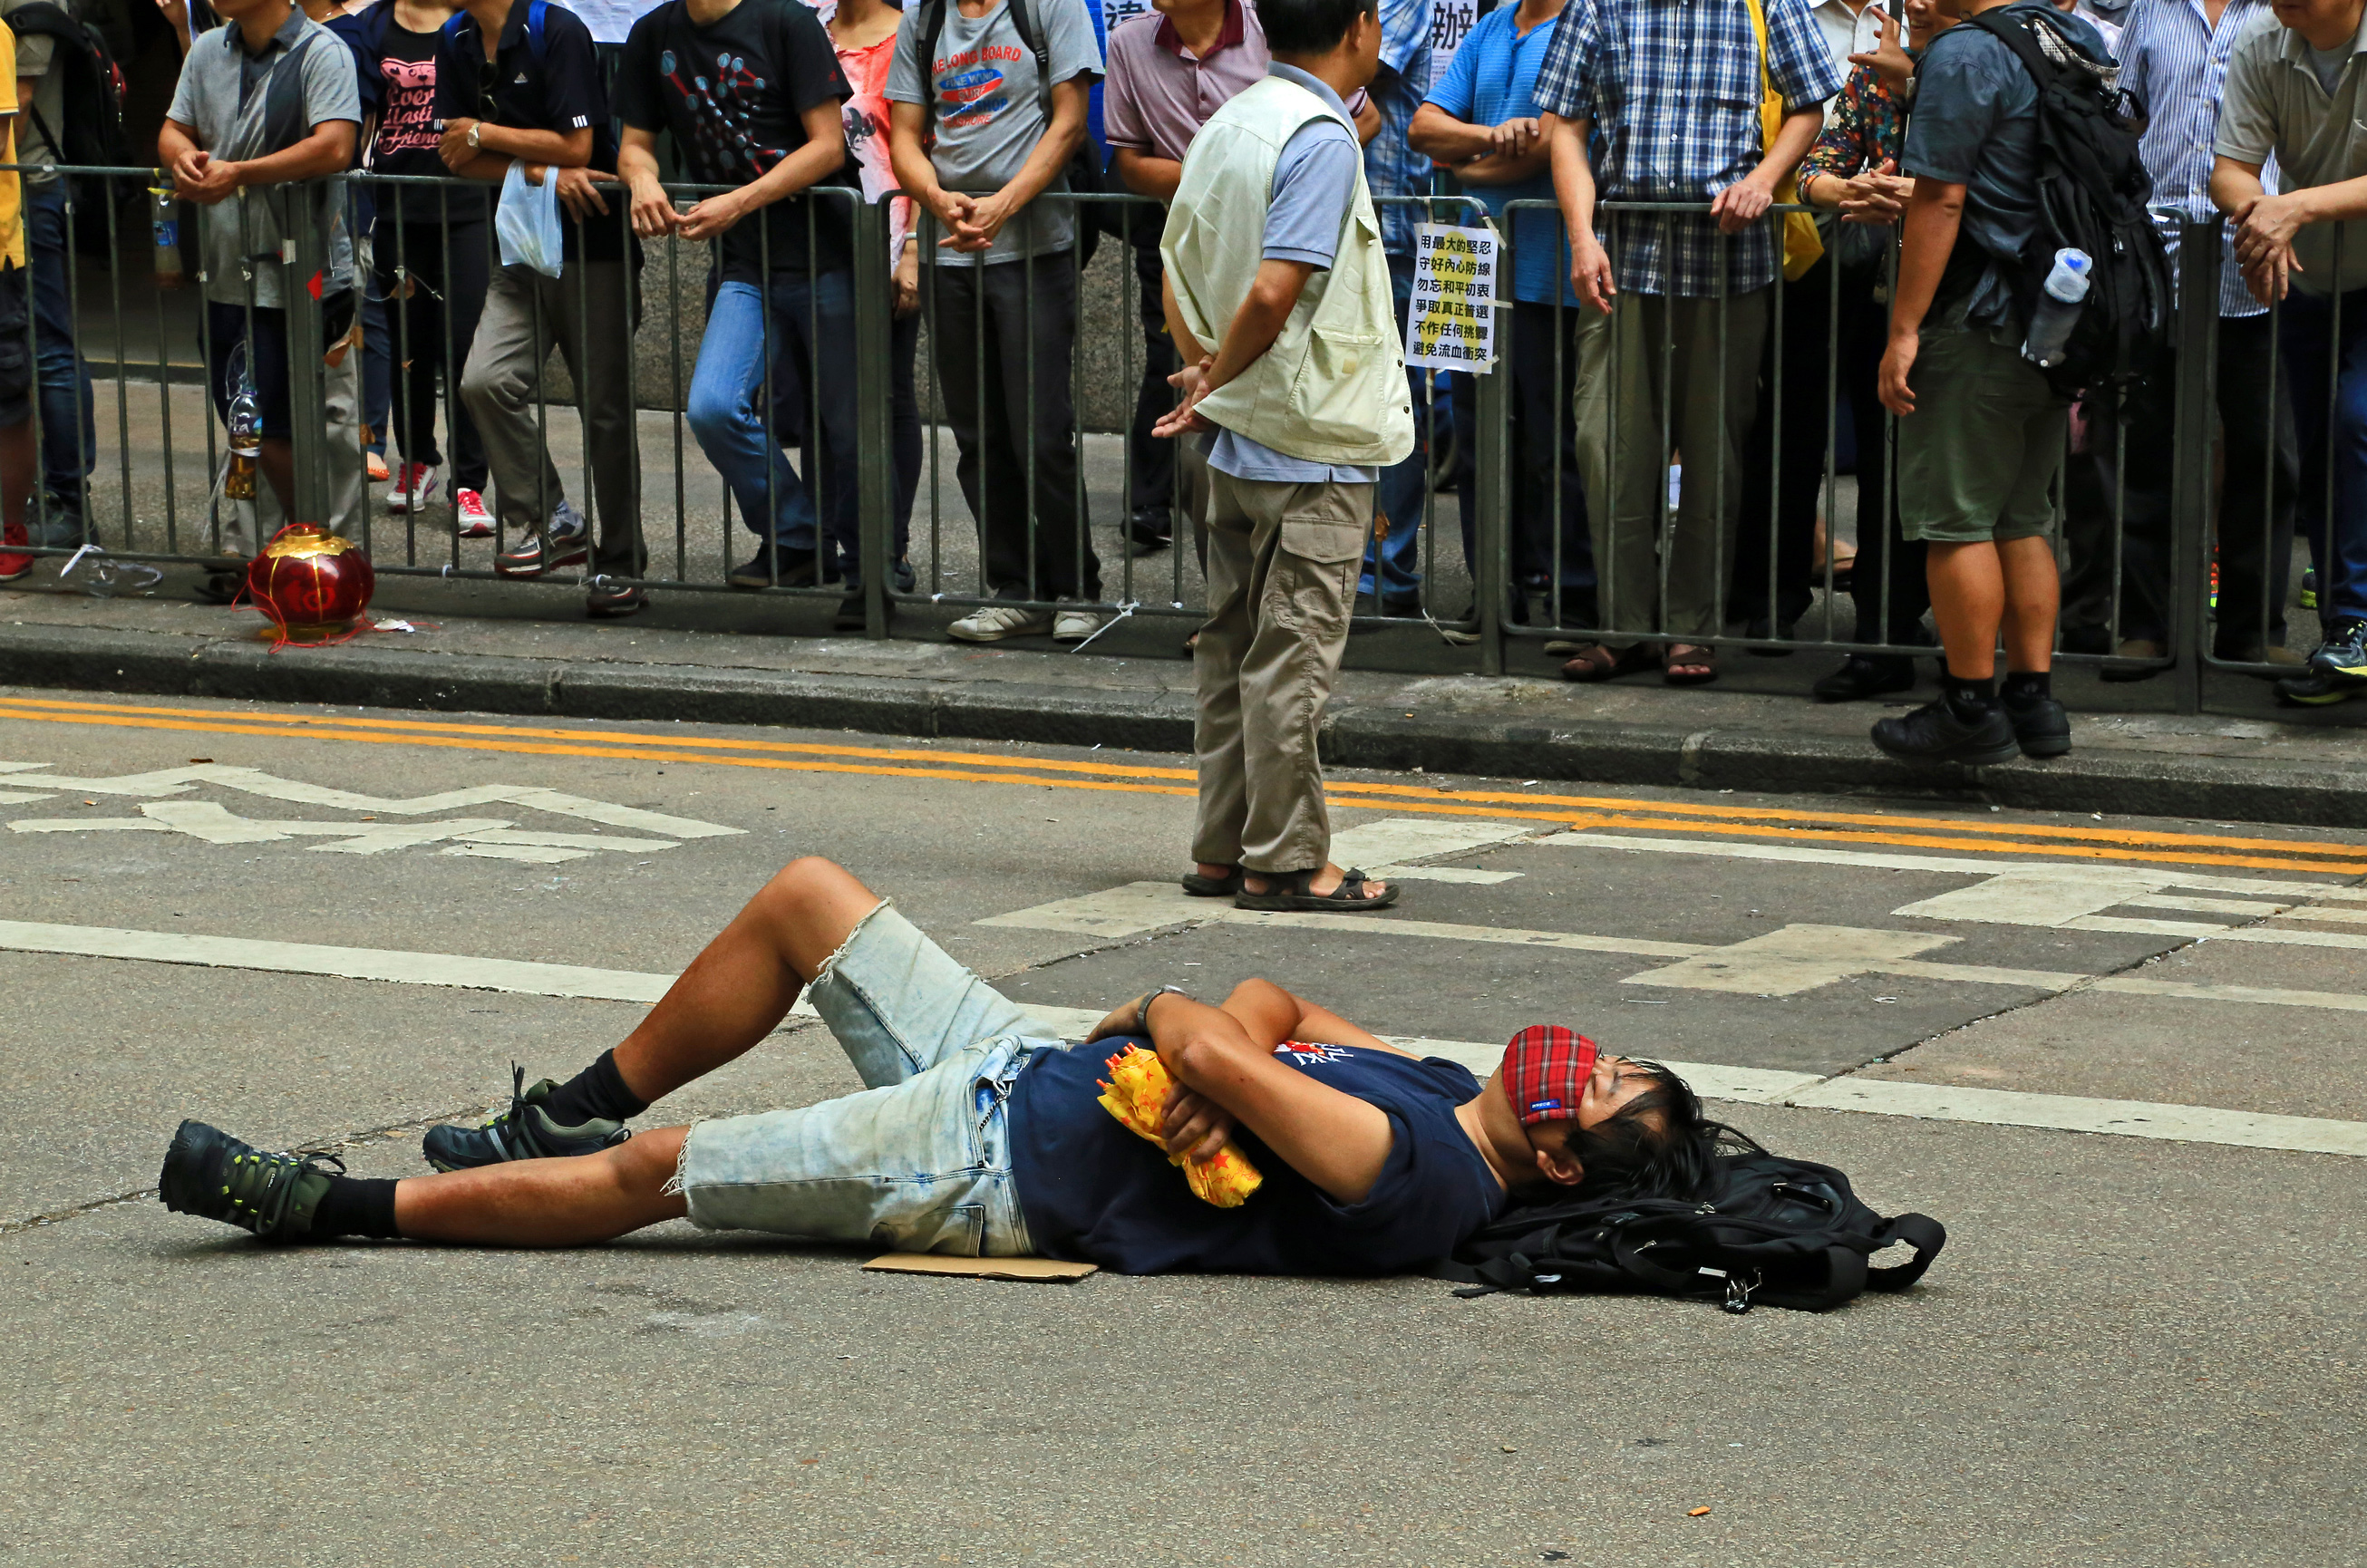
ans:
(1924, 1235)
(1023, 17)
(283, 93)
(931, 29)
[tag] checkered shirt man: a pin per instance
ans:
(1672, 88)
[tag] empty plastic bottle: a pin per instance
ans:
(245, 442)
(165, 214)
(2060, 300)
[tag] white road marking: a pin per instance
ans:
(254, 780)
(348, 962)
(208, 821)
(2017, 1108)
(1383, 849)
(1728, 849)
(1795, 958)
(1139, 906)
(2179, 1123)
(494, 838)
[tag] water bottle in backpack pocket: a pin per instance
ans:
(2060, 299)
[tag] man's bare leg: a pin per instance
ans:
(547, 1203)
(740, 988)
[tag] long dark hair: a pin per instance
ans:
(1659, 1144)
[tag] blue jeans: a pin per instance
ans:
(1404, 485)
(920, 1160)
(812, 324)
(64, 379)
(2337, 540)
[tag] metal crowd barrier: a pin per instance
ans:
(187, 523)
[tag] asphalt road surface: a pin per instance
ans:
(2118, 1059)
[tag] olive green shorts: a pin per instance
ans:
(1977, 458)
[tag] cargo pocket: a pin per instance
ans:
(1314, 576)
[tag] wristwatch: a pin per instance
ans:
(1143, 1009)
(473, 144)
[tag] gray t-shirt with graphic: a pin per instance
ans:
(991, 109)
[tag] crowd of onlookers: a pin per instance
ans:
(1670, 410)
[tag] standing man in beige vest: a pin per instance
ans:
(1274, 258)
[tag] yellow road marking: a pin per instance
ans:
(1590, 811)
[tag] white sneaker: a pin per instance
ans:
(413, 483)
(474, 521)
(992, 622)
(1075, 624)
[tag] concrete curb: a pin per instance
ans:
(2122, 782)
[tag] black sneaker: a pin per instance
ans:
(2040, 724)
(2312, 690)
(523, 1132)
(1863, 675)
(1937, 733)
(2343, 654)
(208, 1172)
(783, 566)
(608, 600)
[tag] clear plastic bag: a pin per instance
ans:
(526, 221)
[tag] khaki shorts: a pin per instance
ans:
(1977, 458)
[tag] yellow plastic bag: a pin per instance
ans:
(1803, 246)
(1136, 1093)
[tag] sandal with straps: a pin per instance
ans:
(1289, 890)
(1224, 886)
(1597, 662)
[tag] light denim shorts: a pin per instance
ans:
(920, 1160)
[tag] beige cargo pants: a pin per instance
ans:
(1282, 584)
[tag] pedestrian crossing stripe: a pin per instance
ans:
(1756, 1085)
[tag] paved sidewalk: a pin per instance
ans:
(702, 658)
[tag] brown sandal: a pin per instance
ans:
(1697, 660)
(1597, 662)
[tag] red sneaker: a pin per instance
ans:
(14, 563)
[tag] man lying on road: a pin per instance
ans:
(978, 1134)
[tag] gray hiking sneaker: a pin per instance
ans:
(208, 1172)
(523, 1132)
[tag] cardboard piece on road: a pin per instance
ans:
(1037, 1269)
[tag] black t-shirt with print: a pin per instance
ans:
(734, 95)
(556, 87)
(409, 133)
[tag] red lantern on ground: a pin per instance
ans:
(313, 583)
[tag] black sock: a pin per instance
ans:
(1969, 699)
(354, 1206)
(2023, 685)
(598, 1091)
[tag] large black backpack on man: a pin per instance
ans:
(2092, 190)
(1767, 1230)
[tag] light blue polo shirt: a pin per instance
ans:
(1493, 78)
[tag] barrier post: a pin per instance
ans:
(1491, 529)
(305, 257)
(875, 442)
(2190, 506)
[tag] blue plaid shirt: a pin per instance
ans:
(1392, 167)
(1672, 88)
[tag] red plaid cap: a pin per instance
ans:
(1546, 1069)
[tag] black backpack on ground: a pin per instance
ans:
(2092, 190)
(93, 88)
(1767, 1230)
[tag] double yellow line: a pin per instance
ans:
(1865, 830)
